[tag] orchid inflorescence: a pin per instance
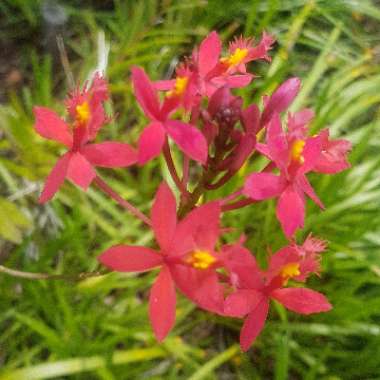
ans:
(199, 113)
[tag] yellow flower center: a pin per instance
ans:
(296, 151)
(83, 113)
(201, 259)
(235, 58)
(179, 87)
(290, 270)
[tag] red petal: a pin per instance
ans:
(164, 216)
(253, 324)
(110, 154)
(201, 286)
(49, 125)
(281, 99)
(302, 300)
(189, 139)
(150, 143)
(242, 302)
(162, 301)
(55, 178)
(80, 171)
(291, 211)
(145, 93)
(126, 258)
(209, 51)
(308, 189)
(261, 186)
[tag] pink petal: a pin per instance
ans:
(308, 189)
(145, 93)
(55, 178)
(302, 300)
(49, 125)
(281, 99)
(127, 258)
(291, 211)
(164, 216)
(110, 154)
(162, 302)
(242, 267)
(311, 153)
(242, 302)
(189, 139)
(253, 324)
(261, 186)
(277, 143)
(209, 51)
(232, 81)
(199, 229)
(164, 85)
(80, 171)
(150, 143)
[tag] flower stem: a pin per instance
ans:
(173, 170)
(47, 276)
(122, 202)
(238, 204)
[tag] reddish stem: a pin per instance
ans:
(173, 170)
(231, 197)
(185, 171)
(122, 202)
(238, 204)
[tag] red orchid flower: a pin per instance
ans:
(186, 258)
(255, 288)
(77, 164)
(294, 158)
(183, 89)
(242, 51)
(188, 138)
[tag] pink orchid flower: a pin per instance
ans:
(77, 164)
(255, 289)
(186, 258)
(188, 138)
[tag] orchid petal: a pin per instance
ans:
(208, 55)
(80, 171)
(55, 178)
(110, 154)
(151, 142)
(164, 217)
(281, 99)
(253, 324)
(49, 125)
(189, 139)
(162, 302)
(291, 211)
(259, 186)
(127, 258)
(302, 300)
(145, 93)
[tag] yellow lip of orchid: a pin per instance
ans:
(201, 259)
(289, 271)
(82, 113)
(236, 57)
(296, 151)
(179, 87)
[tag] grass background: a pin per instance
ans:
(98, 328)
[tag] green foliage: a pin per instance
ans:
(98, 328)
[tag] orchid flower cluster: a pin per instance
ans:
(198, 113)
